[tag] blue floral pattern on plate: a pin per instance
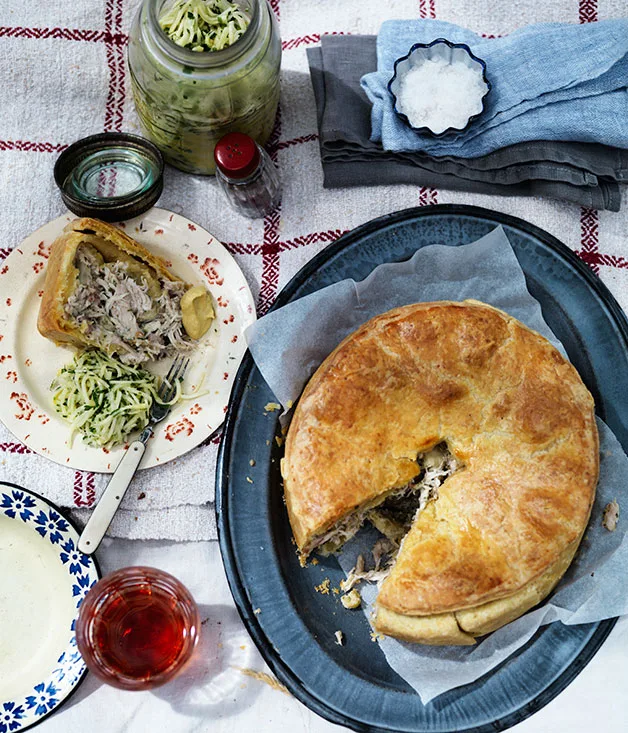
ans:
(47, 694)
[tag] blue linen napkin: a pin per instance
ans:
(552, 81)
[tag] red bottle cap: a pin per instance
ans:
(236, 155)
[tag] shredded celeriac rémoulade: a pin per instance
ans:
(204, 25)
(104, 399)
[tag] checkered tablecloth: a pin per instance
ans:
(65, 76)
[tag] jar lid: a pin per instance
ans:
(236, 155)
(111, 176)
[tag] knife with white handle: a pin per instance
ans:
(103, 514)
(109, 502)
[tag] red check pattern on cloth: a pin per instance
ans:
(115, 43)
(67, 77)
(589, 220)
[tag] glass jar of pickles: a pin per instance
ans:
(203, 68)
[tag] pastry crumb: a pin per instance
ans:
(252, 462)
(340, 638)
(257, 611)
(272, 406)
(314, 561)
(278, 440)
(323, 587)
(376, 637)
(289, 404)
(610, 516)
(352, 599)
(249, 479)
(263, 677)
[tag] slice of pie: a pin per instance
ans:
(105, 290)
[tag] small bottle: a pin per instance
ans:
(247, 175)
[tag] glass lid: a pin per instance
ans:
(111, 176)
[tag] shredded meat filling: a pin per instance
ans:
(384, 552)
(393, 517)
(114, 305)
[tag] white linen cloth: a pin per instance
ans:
(213, 696)
(64, 77)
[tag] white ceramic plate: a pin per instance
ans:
(43, 580)
(29, 362)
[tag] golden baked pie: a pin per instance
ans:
(103, 289)
(478, 424)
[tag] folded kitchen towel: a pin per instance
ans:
(186, 523)
(188, 479)
(584, 173)
(174, 501)
(552, 81)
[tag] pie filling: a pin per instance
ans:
(126, 307)
(392, 516)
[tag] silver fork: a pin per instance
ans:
(103, 513)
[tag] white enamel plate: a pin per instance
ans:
(29, 362)
(43, 581)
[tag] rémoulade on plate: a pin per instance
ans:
(465, 437)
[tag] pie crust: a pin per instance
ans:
(517, 417)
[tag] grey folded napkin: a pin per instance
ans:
(587, 174)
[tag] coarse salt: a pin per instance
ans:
(440, 94)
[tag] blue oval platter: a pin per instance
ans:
(290, 622)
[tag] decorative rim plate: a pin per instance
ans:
(29, 362)
(292, 624)
(43, 581)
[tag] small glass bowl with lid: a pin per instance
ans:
(187, 100)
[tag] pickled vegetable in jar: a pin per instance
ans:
(203, 74)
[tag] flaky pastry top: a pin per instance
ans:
(511, 408)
